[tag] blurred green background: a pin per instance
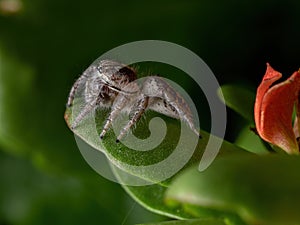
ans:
(44, 47)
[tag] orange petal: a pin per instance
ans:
(276, 111)
(297, 126)
(297, 119)
(269, 78)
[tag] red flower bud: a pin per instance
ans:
(273, 110)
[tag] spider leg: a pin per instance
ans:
(87, 108)
(184, 112)
(171, 103)
(161, 106)
(187, 117)
(173, 110)
(80, 81)
(118, 105)
(138, 111)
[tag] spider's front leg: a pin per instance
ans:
(136, 112)
(119, 103)
(92, 101)
(84, 112)
(79, 82)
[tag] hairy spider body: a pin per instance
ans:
(112, 84)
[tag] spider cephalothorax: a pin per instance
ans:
(111, 84)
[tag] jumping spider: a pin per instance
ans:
(112, 84)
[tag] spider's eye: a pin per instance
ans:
(100, 69)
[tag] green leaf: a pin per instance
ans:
(152, 197)
(135, 161)
(191, 222)
(122, 157)
(242, 100)
(260, 189)
(247, 139)
(239, 99)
